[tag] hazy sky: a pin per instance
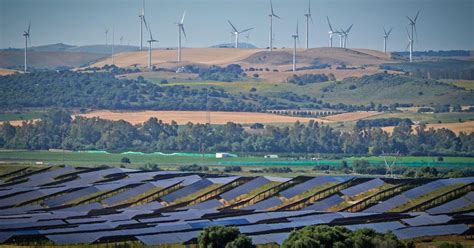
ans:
(442, 25)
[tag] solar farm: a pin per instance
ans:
(73, 205)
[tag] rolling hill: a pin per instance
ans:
(59, 55)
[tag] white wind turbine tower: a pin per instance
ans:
(331, 32)
(413, 32)
(308, 17)
(181, 29)
(113, 45)
(410, 45)
(237, 33)
(106, 36)
(295, 37)
(142, 21)
(271, 15)
(385, 39)
(150, 43)
(26, 34)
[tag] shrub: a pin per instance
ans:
(125, 160)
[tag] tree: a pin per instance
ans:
(125, 160)
(330, 236)
(223, 237)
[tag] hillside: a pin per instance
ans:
(14, 59)
(388, 89)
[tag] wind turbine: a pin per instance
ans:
(385, 38)
(237, 33)
(295, 37)
(331, 32)
(106, 36)
(410, 45)
(113, 44)
(181, 29)
(150, 43)
(308, 17)
(26, 34)
(345, 35)
(413, 32)
(121, 39)
(142, 20)
(271, 15)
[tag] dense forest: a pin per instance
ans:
(56, 129)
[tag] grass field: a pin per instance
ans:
(467, 84)
(168, 161)
(27, 115)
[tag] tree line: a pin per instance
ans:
(57, 129)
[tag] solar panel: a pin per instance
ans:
(265, 204)
(190, 189)
(147, 206)
(83, 208)
(223, 180)
(326, 203)
(214, 203)
(303, 187)
(168, 238)
(427, 231)
(381, 227)
(244, 188)
(254, 228)
(387, 205)
(31, 224)
(270, 238)
(28, 196)
(60, 200)
(130, 193)
(425, 219)
(450, 206)
(74, 238)
(363, 187)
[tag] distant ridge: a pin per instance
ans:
(231, 45)
(61, 47)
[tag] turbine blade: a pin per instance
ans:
(411, 21)
(232, 26)
(184, 32)
(406, 49)
(182, 19)
(309, 7)
(271, 8)
(416, 33)
(408, 34)
(297, 31)
(144, 21)
(311, 18)
(276, 16)
(245, 30)
(385, 32)
(389, 31)
(349, 29)
(29, 26)
(329, 22)
(416, 17)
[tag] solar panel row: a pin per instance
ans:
(244, 188)
(305, 186)
(323, 205)
(190, 189)
(363, 187)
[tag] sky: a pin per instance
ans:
(442, 24)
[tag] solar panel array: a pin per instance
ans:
(305, 186)
(27, 211)
(324, 204)
(363, 187)
(190, 189)
(244, 188)
(415, 193)
(453, 205)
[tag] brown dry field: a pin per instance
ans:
(4, 72)
(183, 117)
(261, 58)
(352, 116)
(162, 57)
(466, 127)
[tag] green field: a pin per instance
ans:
(21, 115)
(138, 160)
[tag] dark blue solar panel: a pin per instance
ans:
(190, 189)
(427, 231)
(425, 219)
(57, 201)
(303, 187)
(265, 204)
(326, 203)
(382, 227)
(125, 195)
(209, 204)
(363, 187)
(245, 188)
